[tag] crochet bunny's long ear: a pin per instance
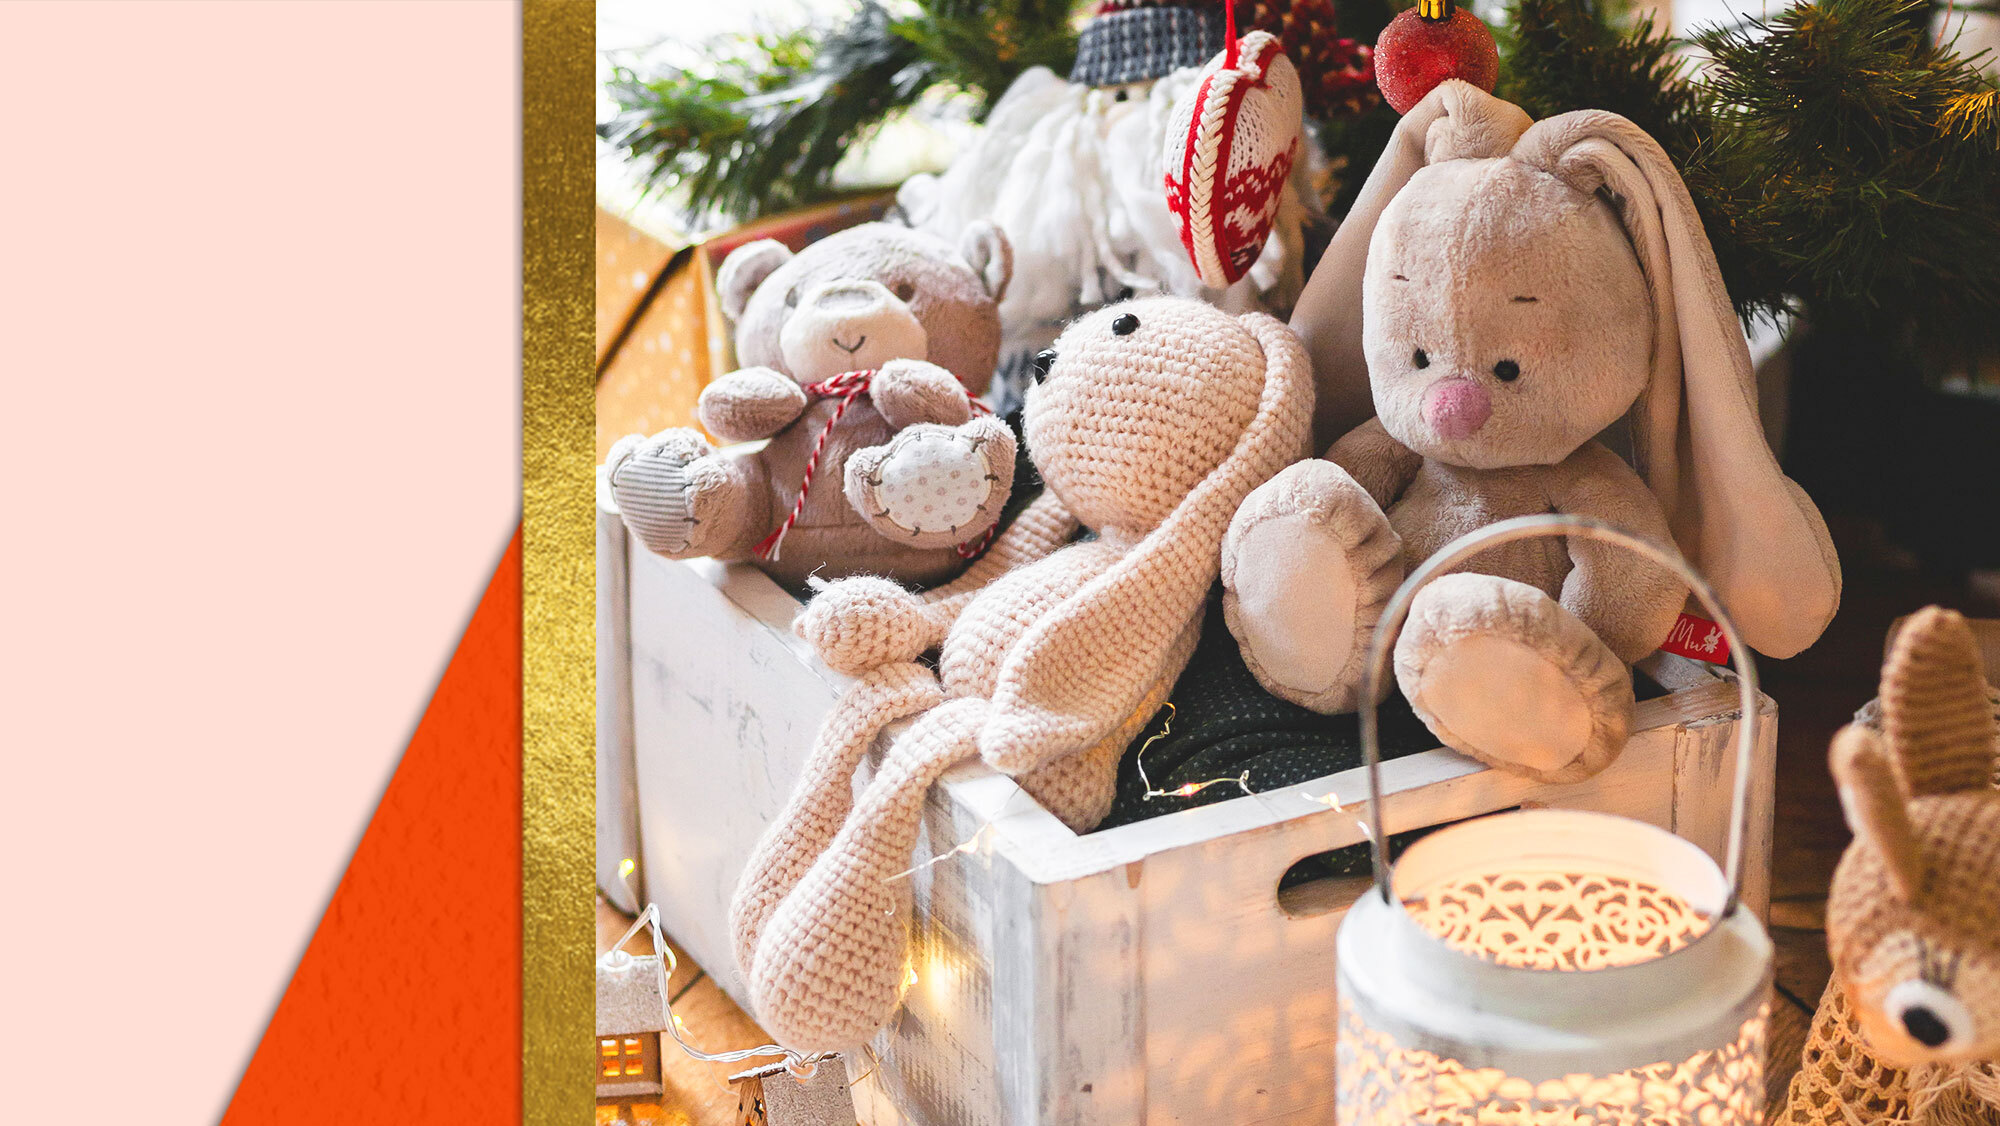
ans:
(1696, 436)
(1457, 120)
(1083, 667)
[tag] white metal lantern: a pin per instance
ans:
(1552, 966)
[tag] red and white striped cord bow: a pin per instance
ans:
(849, 386)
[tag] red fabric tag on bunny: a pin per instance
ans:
(1697, 639)
(1230, 146)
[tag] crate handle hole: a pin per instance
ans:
(1329, 881)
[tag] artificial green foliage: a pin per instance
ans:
(1852, 150)
(1845, 163)
(758, 124)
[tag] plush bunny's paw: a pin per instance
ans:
(1307, 567)
(863, 623)
(1500, 671)
(933, 485)
(676, 493)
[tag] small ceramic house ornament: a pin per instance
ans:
(773, 1095)
(1230, 146)
(1552, 966)
(631, 1014)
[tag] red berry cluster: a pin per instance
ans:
(1336, 75)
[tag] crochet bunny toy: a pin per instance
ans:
(1909, 1028)
(1149, 422)
(1526, 288)
(864, 352)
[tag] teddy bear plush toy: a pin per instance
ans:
(864, 353)
(1909, 1028)
(1518, 299)
(1149, 422)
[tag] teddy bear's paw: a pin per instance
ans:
(675, 492)
(1500, 671)
(934, 486)
(1308, 565)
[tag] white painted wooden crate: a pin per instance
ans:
(1145, 974)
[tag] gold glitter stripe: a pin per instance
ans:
(558, 816)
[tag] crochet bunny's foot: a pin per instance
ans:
(1307, 567)
(828, 970)
(1500, 671)
(934, 485)
(680, 497)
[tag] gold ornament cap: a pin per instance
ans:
(1436, 9)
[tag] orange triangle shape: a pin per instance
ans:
(406, 1007)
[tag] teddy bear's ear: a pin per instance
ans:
(1696, 435)
(990, 255)
(1875, 806)
(744, 270)
(1455, 121)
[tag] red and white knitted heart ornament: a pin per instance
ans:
(1230, 146)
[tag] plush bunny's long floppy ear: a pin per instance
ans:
(1457, 120)
(1083, 667)
(1696, 437)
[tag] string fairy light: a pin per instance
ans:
(1190, 789)
(969, 844)
(802, 1066)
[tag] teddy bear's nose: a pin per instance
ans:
(1457, 407)
(848, 298)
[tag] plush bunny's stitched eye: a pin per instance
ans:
(904, 291)
(1421, 359)
(1506, 371)
(1125, 325)
(792, 298)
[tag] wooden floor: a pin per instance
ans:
(1816, 693)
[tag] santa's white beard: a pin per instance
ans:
(1072, 175)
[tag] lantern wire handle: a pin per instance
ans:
(1529, 527)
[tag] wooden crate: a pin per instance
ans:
(1150, 973)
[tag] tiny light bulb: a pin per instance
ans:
(626, 867)
(680, 1024)
(910, 978)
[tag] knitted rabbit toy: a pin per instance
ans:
(864, 352)
(1909, 1028)
(1149, 422)
(1526, 288)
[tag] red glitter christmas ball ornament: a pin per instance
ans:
(1429, 43)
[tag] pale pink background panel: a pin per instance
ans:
(259, 309)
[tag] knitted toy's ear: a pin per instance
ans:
(1455, 121)
(744, 270)
(1935, 713)
(1875, 806)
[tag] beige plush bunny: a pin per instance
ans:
(1527, 288)
(1909, 1028)
(1149, 421)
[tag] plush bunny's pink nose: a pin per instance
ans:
(1457, 407)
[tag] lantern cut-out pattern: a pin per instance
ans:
(1549, 967)
(1382, 1083)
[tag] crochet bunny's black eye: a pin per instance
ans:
(1044, 360)
(1421, 359)
(904, 291)
(1507, 371)
(1125, 325)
